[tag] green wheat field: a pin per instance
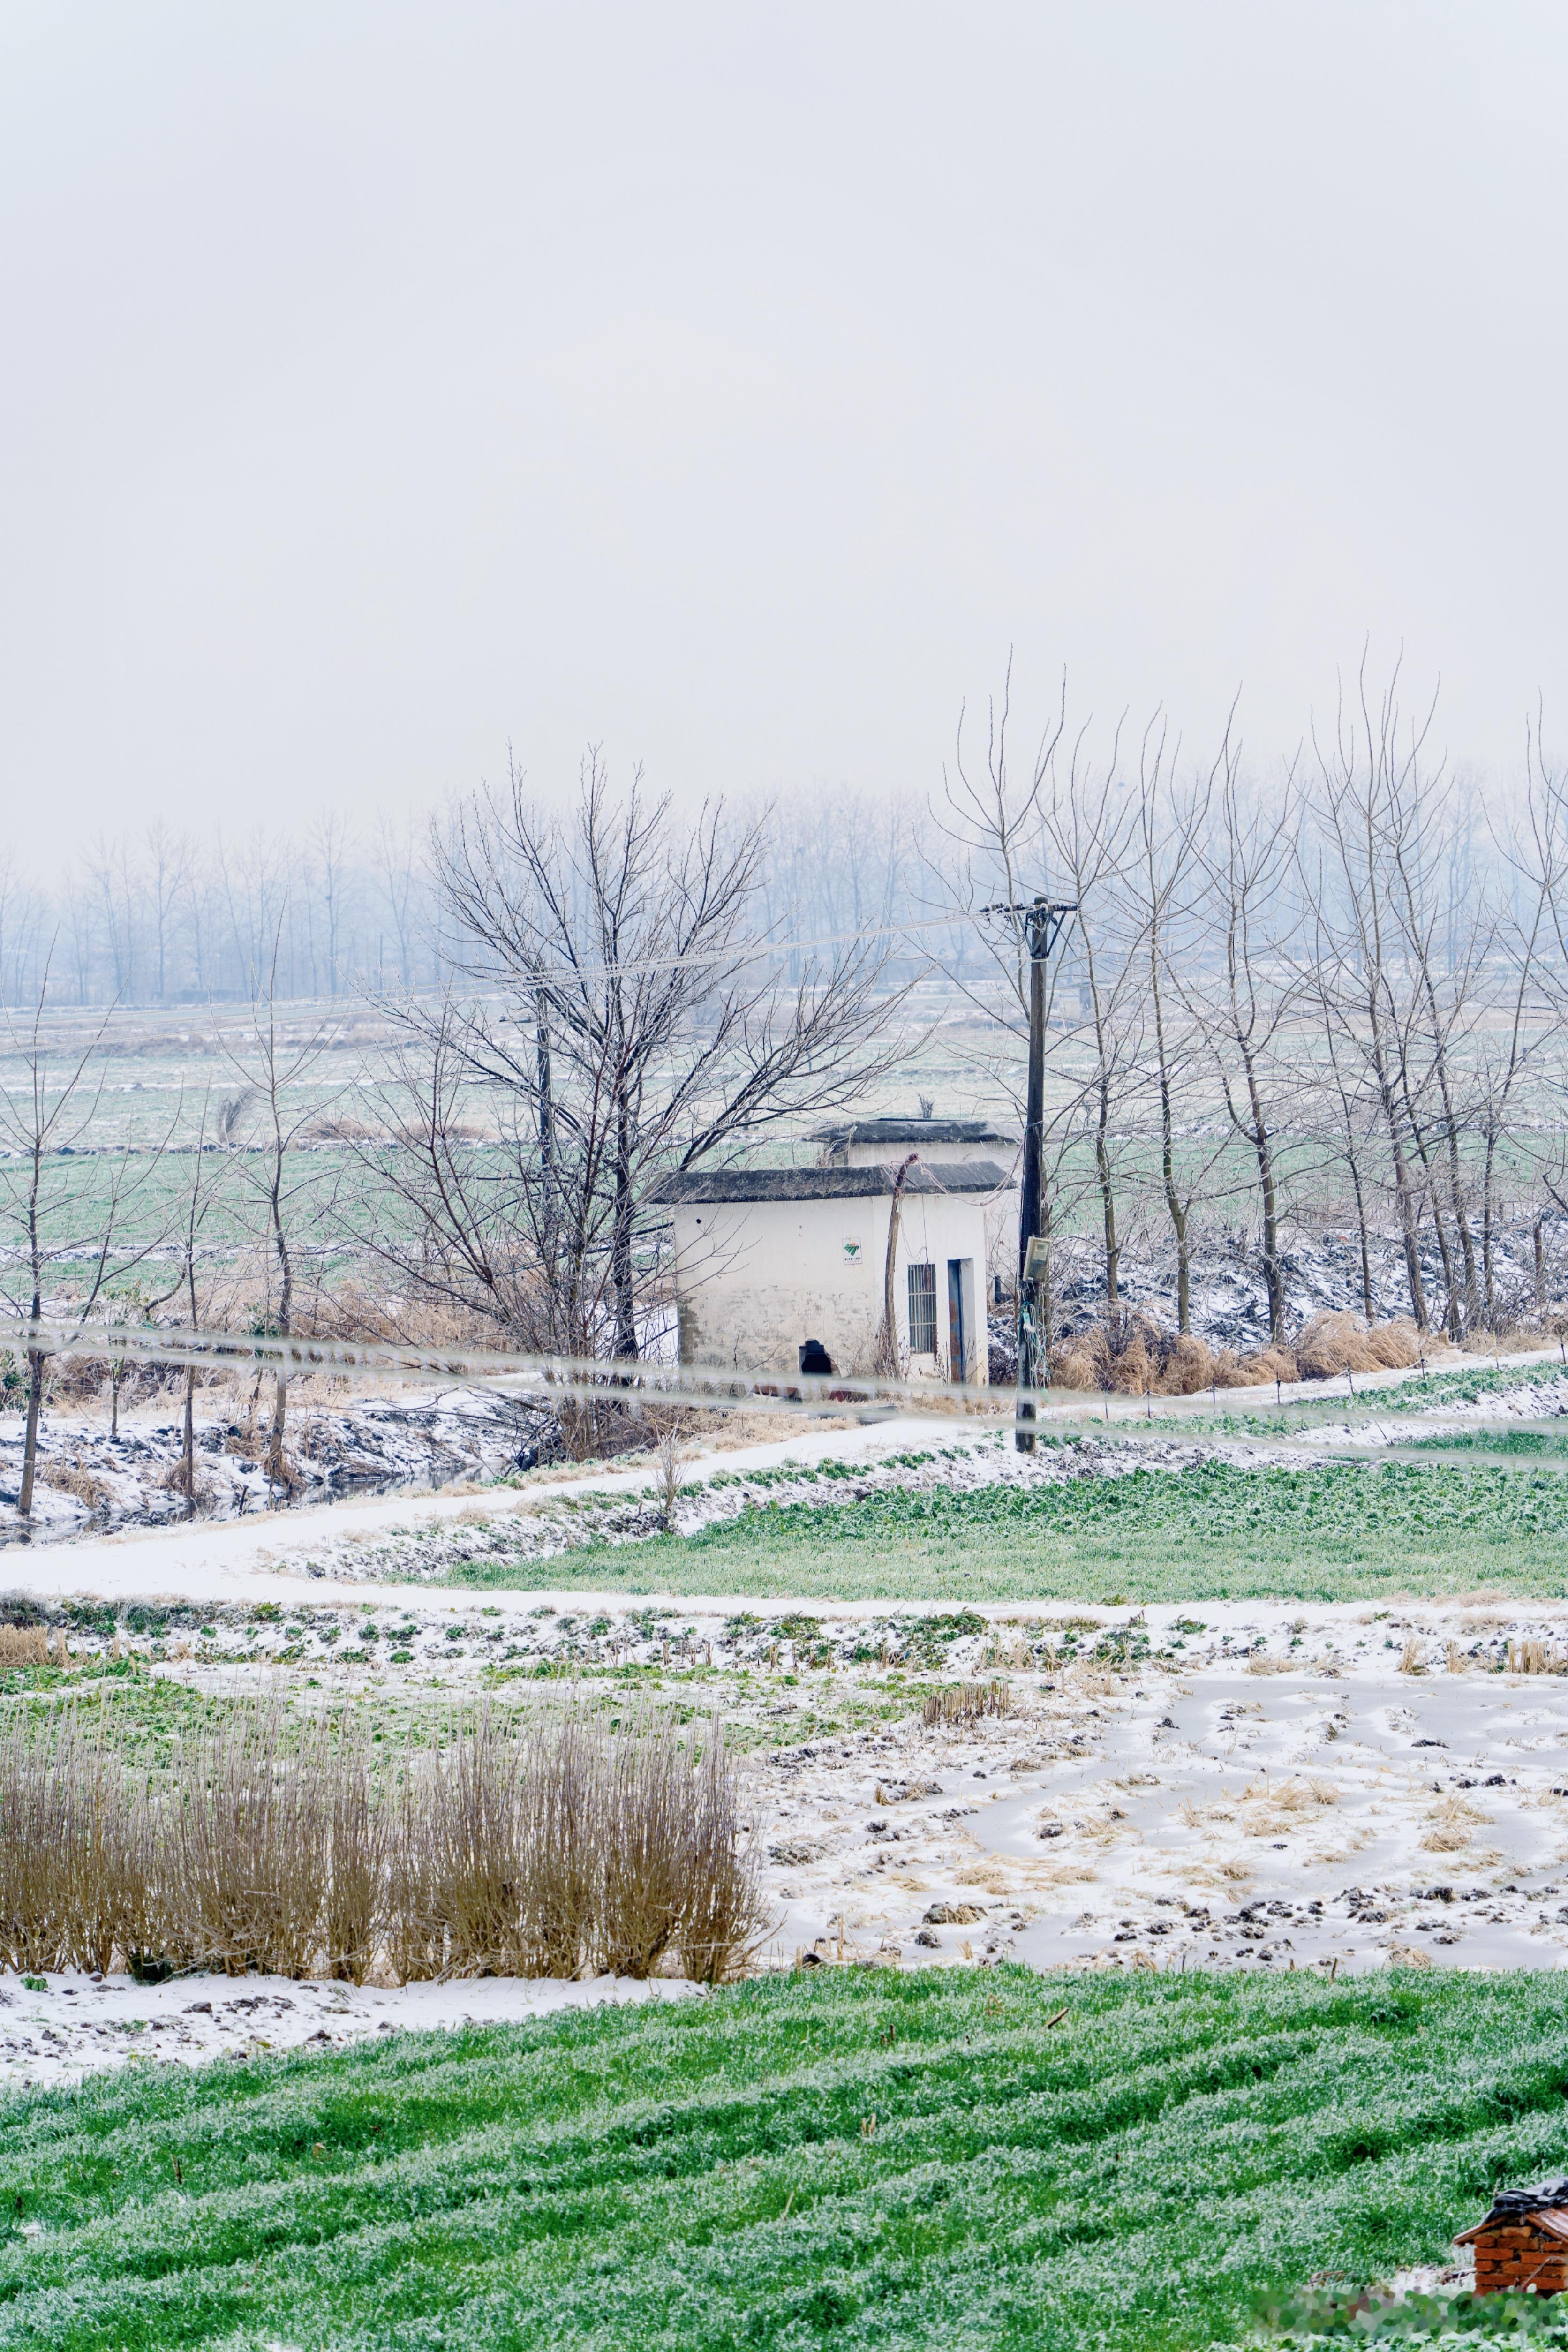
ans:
(857, 2158)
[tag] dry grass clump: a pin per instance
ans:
(1532, 1657)
(1452, 1827)
(66, 1479)
(1011, 1649)
(1331, 1345)
(989, 1877)
(1267, 1809)
(23, 1645)
(279, 1846)
(967, 1702)
(1134, 1355)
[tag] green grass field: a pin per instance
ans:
(857, 2158)
(1339, 1531)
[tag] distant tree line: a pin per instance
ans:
(158, 917)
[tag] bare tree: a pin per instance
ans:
(1089, 827)
(166, 867)
(328, 851)
(627, 1016)
(1245, 1013)
(1367, 794)
(78, 1221)
(200, 1194)
(1166, 884)
(275, 1064)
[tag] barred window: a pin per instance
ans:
(922, 1310)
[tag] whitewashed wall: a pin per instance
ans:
(1002, 1209)
(754, 1280)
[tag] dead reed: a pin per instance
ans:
(1532, 1657)
(276, 1844)
(967, 1702)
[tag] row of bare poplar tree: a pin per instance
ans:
(158, 916)
(1335, 995)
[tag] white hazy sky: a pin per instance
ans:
(733, 384)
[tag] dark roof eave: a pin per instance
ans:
(910, 1130)
(741, 1185)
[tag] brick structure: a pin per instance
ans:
(1523, 2241)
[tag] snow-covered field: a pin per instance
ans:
(1355, 1788)
(1251, 1788)
(80, 2025)
(1251, 1785)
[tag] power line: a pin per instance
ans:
(748, 949)
(717, 1388)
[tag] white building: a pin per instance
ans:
(941, 1143)
(767, 1259)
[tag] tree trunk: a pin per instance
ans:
(1487, 1271)
(1107, 1200)
(276, 1468)
(889, 1350)
(276, 1465)
(30, 1443)
(549, 1180)
(1263, 1151)
(1365, 1251)
(622, 1276)
(1389, 1105)
(1176, 1206)
(1452, 1303)
(189, 1463)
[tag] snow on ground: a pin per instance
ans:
(79, 2025)
(1255, 1786)
(88, 1478)
(1309, 1801)
(1251, 1785)
(1321, 1268)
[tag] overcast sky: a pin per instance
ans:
(733, 384)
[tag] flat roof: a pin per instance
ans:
(912, 1131)
(824, 1183)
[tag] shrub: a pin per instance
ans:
(273, 1847)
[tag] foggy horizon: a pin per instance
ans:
(734, 393)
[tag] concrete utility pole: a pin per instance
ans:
(1041, 921)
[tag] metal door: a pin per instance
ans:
(957, 1322)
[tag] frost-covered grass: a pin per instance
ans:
(1525, 1444)
(928, 2160)
(1530, 1389)
(1332, 1531)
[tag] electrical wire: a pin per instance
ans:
(717, 1388)
(747, 949)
